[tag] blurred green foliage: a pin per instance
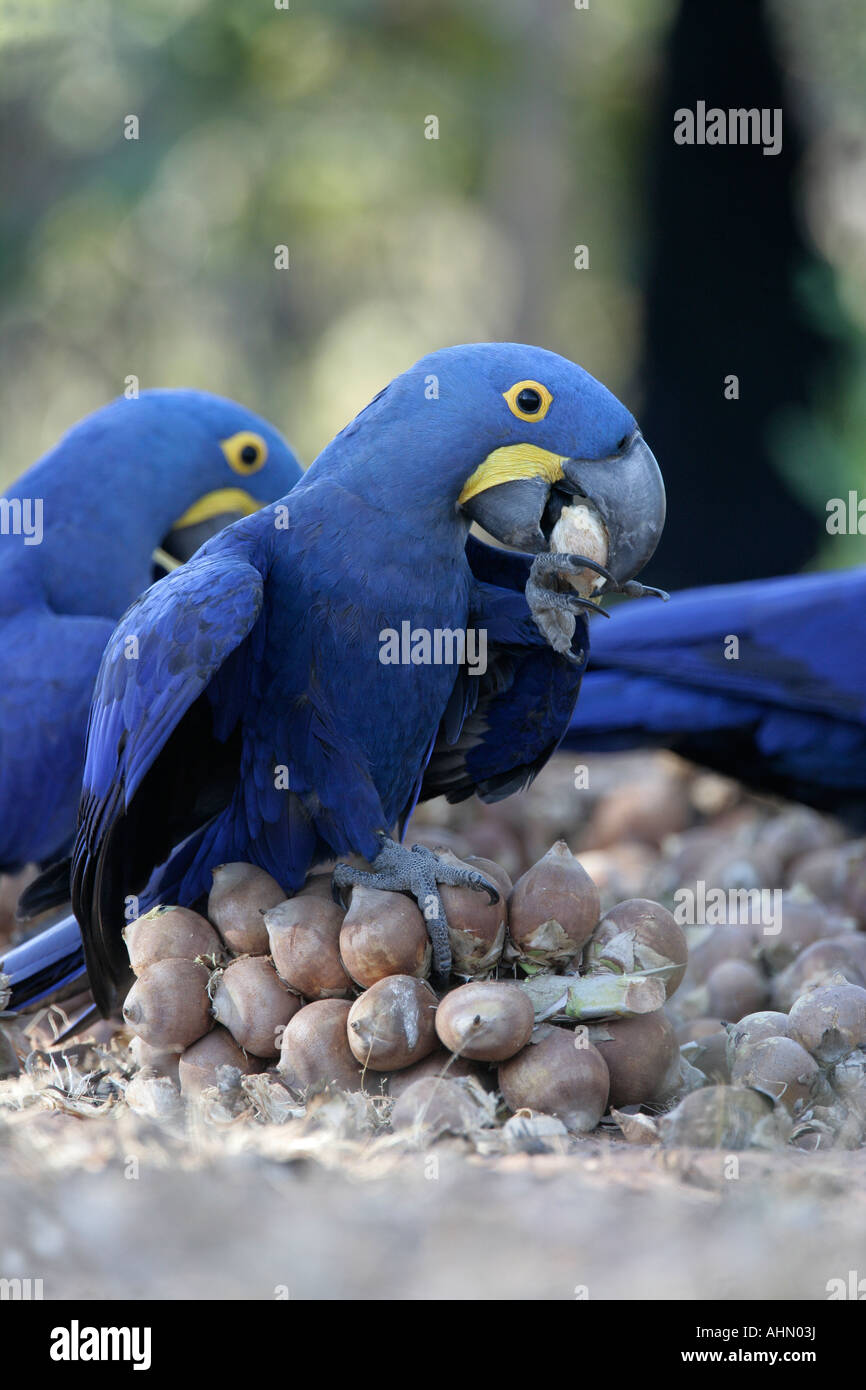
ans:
(306, 127)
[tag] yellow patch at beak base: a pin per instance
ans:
(510, 462)
(224, 499)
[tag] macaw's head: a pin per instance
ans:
(151, 479)
(218, 459)
(511, 437)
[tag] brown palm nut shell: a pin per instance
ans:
(827, 872)
(803, 922)
(709, 1055)
(168, 1006)
(735, 988)
(499, 843)
(304, 937)
(317, 886)
(436, 1107)
(476, 926)
(558, 1078)
(829, 1022)
(486, 1021)
(198, 1065)
(392, 1024)
(754, 1028)
(696, 1028)
(251, 1001)
(241, 893)
(553, 908)
(641, 1054)
(653, 939)
(646, 810)
(163, 1063)
(854, 900)
(440, 1063)
(837, 955)
(315, 1050)
(796, 832)
(779, 1068)
(169, 933)
(383, 934)
(722, 1117)
(709, 946)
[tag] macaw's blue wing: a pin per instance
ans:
(765, 681)
(160, 764)
(501, 726)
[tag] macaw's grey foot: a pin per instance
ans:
(418, 871)
(554, 608)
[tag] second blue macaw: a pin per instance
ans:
(260, 719)
(127, 494)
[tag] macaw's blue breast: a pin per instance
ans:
(356, 671)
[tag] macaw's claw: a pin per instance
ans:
(561, 563)
(418, 871)
(634, 589)
(554, 609)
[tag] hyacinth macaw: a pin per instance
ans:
(764, 681)
(127, 494)
(258, 720)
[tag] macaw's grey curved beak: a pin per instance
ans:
(627, 491)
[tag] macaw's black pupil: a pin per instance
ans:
(249, 453)
(529, 401)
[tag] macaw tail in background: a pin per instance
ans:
(47, 966)
(764, 681)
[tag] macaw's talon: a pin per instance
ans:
(634, 589)
(457, 876)
(418, 871)
(570, 564)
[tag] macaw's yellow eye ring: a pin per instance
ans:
(245, 452)
(528, 400)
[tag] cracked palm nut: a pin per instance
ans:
(580, 530)
(639, 935)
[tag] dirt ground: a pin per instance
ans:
(114, 1207)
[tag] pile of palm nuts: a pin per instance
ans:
(746, 1029)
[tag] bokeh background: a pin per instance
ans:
(306, 127)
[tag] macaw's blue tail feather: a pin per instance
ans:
(765, 681)
(40, 968)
